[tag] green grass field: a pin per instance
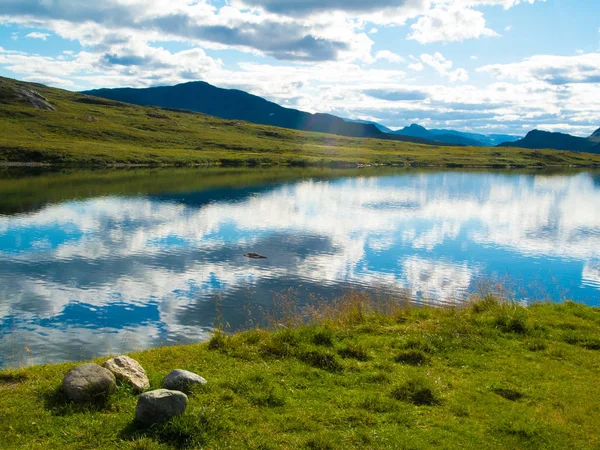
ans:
(86, 131)
(361, 373)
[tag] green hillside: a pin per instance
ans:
(39, 124)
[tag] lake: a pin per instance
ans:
(96, 263)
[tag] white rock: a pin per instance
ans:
(128, 369)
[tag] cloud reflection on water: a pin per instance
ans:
(430, 233)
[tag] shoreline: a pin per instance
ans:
(358, 373)
(331, 165)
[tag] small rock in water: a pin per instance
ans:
(159, 406)
(87, 382)
(182, 380)
(253, 255)
(128, 369)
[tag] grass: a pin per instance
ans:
(86, 131)
(360, 372)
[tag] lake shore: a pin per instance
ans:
(360, 372)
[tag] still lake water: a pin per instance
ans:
(100, 263)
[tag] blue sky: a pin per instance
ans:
(503, 66)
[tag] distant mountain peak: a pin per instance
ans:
(538, 139)
(595, 136)
(452, 136)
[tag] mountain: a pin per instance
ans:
(537, 139)
(485, 139)
(448, 138)
(595, 137)
(377, 125)
(233, 104)
(456, 137)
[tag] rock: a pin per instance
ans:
(253, 255)
(128, 369)
(36, 99)
(87, 382)
(182, 380)
(159, 406)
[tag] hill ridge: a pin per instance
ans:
(235, 104)
(539, 139)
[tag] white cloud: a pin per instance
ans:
(38, 35)
(551, 69)
(387, 55)
(328, 58)
(443, 66)
(450, 23)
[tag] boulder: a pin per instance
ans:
(182, 380)
(129, 370)
(159, 406)
(87, 382)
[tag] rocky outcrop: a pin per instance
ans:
(182, 380)
(88, 382)
(159, 406)
(129, 370)
(34, 98)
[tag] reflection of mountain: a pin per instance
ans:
(27, 190)
(119, 263)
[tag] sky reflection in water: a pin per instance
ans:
(110, 274)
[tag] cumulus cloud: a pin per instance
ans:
(417, 66)
(555, 70)
(387, 55)
(377, 11)
(443, 66)
(325, 53)
(453, 23)
(113, 21)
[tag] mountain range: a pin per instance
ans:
(457, 137)
(233, 104)
(446, 136)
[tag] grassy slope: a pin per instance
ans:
(100, 132)
(490, 375)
